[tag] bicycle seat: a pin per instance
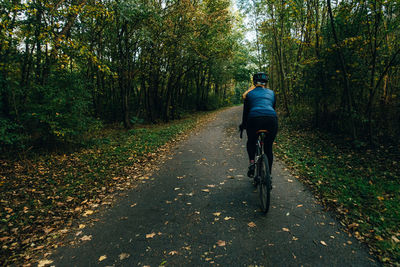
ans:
(262, 131)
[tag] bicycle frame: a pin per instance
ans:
(262, 176)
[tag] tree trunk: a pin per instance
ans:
(347, 92)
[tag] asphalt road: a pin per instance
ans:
(200, 209)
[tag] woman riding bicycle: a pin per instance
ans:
(259, 114)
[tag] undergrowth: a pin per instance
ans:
(360, 184)
(43, 194)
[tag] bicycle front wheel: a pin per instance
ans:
(264, 186)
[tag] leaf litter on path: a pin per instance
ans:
(123, 256)
(251, 224)
(221, 243)
(86, 238)
(150, 235)
(43, 263)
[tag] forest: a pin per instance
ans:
(91, 89)
(335, 64)
(70, 66)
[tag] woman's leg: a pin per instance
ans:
(251, 139)
(271, 124)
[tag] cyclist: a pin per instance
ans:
(259, 114)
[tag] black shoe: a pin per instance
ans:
(250, 172)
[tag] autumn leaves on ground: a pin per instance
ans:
(47, 197)
(73, 73)
(43, 196)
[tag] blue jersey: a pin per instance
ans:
(259, 102)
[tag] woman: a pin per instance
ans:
(259, 114)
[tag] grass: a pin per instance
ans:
(43, 195)
(361, 185)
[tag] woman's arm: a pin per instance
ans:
(245, 113)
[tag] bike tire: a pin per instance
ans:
(264, 186)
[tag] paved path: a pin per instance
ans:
(198, 211)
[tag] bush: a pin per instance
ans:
(59, 110)
(56, 112)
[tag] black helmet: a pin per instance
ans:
(260, 78)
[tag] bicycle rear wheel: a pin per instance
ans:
(264, 186)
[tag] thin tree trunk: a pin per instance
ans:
(345, 76)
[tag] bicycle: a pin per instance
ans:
(262, 177)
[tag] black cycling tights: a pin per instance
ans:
(269, 123)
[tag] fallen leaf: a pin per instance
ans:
(9, 210)
(172, 253)
(43, 263)
(290, 181)
(205, 190)
(2, 239)
(123, 256)
(102, 258)
(150, 235)
(48, 230)
(88, 212)
(227, 218)
(81, 226)
(217, 213)
(285, 229)
(353, 225)
(221, 243)
(395, 239)
(211, 185)
(299, 206)
(294, 238)
(251, 224)
(323, 243)
(86, 238)
(133, 205)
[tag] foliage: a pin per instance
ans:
(43, 194)
(64, 63)
(340, 59)
(360, 185)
